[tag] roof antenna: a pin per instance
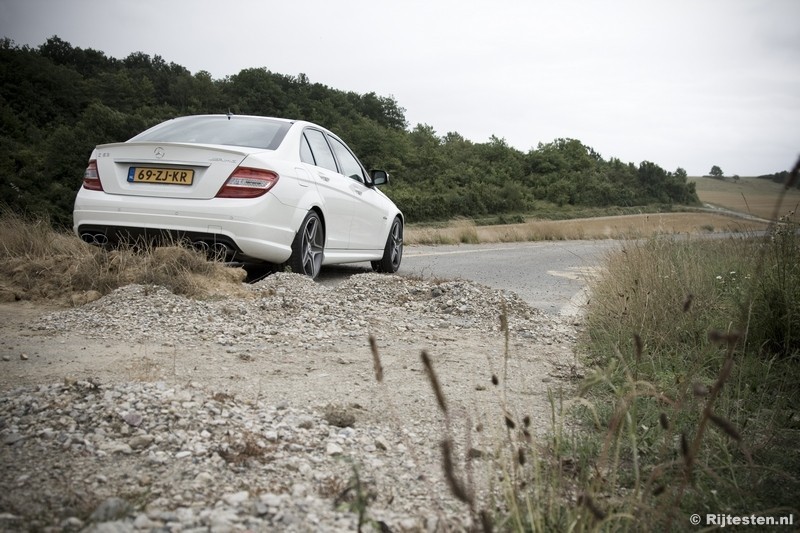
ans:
(229, 114)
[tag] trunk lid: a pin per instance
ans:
(167, 170)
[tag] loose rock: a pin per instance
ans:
(263, 413)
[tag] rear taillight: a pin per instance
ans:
(91, 178)
(248, 183)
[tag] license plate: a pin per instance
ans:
(172, 176)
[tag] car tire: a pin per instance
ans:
(308, 247)
(393, 251)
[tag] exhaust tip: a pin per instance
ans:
(98, 239)
(200, 246)
(220, 251)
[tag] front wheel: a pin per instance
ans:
(308, 247)
(393, 251)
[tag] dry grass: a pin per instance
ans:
(612, 227)
(37, 262)
(678, 413)
(747, 195)
(684, 408)
(676, 342)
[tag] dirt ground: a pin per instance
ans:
(339, 375)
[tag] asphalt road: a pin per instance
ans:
(551, 276)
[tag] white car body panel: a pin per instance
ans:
(212, 165)
(234, 218)
(357, 218)
(374, 205)
(338, 204)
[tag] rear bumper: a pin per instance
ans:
(252, 230)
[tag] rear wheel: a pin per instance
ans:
(308, 247)
(393, 251)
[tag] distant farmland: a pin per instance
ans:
(757, 197)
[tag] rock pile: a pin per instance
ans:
(172, 455)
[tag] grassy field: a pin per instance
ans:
(690, 401)
(611, 227)
(688, 404)
(749, 196)
(756, 197)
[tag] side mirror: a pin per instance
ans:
(379, 177)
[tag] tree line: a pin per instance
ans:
(58, 101)
(778, 177)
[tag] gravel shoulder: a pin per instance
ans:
(147, 411)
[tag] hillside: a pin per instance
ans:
(755, 196)
(58, 101)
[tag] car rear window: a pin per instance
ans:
(251, 132)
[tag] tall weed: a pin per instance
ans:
(694, 345)
(689, 403)
(38, 262)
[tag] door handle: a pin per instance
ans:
(323, 177)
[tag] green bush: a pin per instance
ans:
(774, 317)
(59, 101)
(693, 348)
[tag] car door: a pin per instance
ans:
(339, 201)
(369, 214)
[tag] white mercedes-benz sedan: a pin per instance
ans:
(247, 189)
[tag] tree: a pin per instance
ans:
(716, 172)
(58, 101)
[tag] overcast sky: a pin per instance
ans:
(681, 83)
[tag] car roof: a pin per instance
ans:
(263, 117)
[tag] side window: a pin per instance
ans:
(305, 152)
(319, 147)
(350, 165)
